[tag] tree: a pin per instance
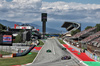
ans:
(88, 27)
(98, 27)
(2, 27)
(74, 32)
(21, 30)
(18, 39)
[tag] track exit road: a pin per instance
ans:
(53, 58)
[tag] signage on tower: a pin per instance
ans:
(44, 17)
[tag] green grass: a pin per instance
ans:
(18, 60)
(92, 63)
(41, 43)
(4, 53)
(61, 41)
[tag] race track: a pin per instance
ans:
(54, 58)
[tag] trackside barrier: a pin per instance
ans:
(72, 46)
(22, 44)
(94, 57)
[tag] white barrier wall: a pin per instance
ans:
(72, 46)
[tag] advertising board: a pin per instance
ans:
(6, 38)
(23, 27)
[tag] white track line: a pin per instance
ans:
(53, 49)
(35, 57)
(37, 54)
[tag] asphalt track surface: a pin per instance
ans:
(54, 58)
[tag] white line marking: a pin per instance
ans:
(53, 49)
(37, 54)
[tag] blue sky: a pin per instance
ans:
(77, 1)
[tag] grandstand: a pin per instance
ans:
(71, 26)
(84, 33)
(88, 39)
(95, 42)
(91, 37)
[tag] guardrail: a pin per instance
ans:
(22, 44)
(19, 44)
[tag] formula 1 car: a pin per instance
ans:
(63, 48)
(66, 58)
(48, 50)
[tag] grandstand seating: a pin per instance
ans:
(98, 45)
(95, 42)
(83, 32)
(91, 37)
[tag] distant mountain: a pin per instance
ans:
(11, 24)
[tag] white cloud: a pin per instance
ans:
(63, 11)
(30, 10)
(20, 10)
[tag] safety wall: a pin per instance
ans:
(72, 46)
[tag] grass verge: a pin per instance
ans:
(41, 43)
(18, 60)
(61, 41)
(4, 53)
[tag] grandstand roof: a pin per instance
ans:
(66, 24)
(71, 26)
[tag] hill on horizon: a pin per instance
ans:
(11, 25)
